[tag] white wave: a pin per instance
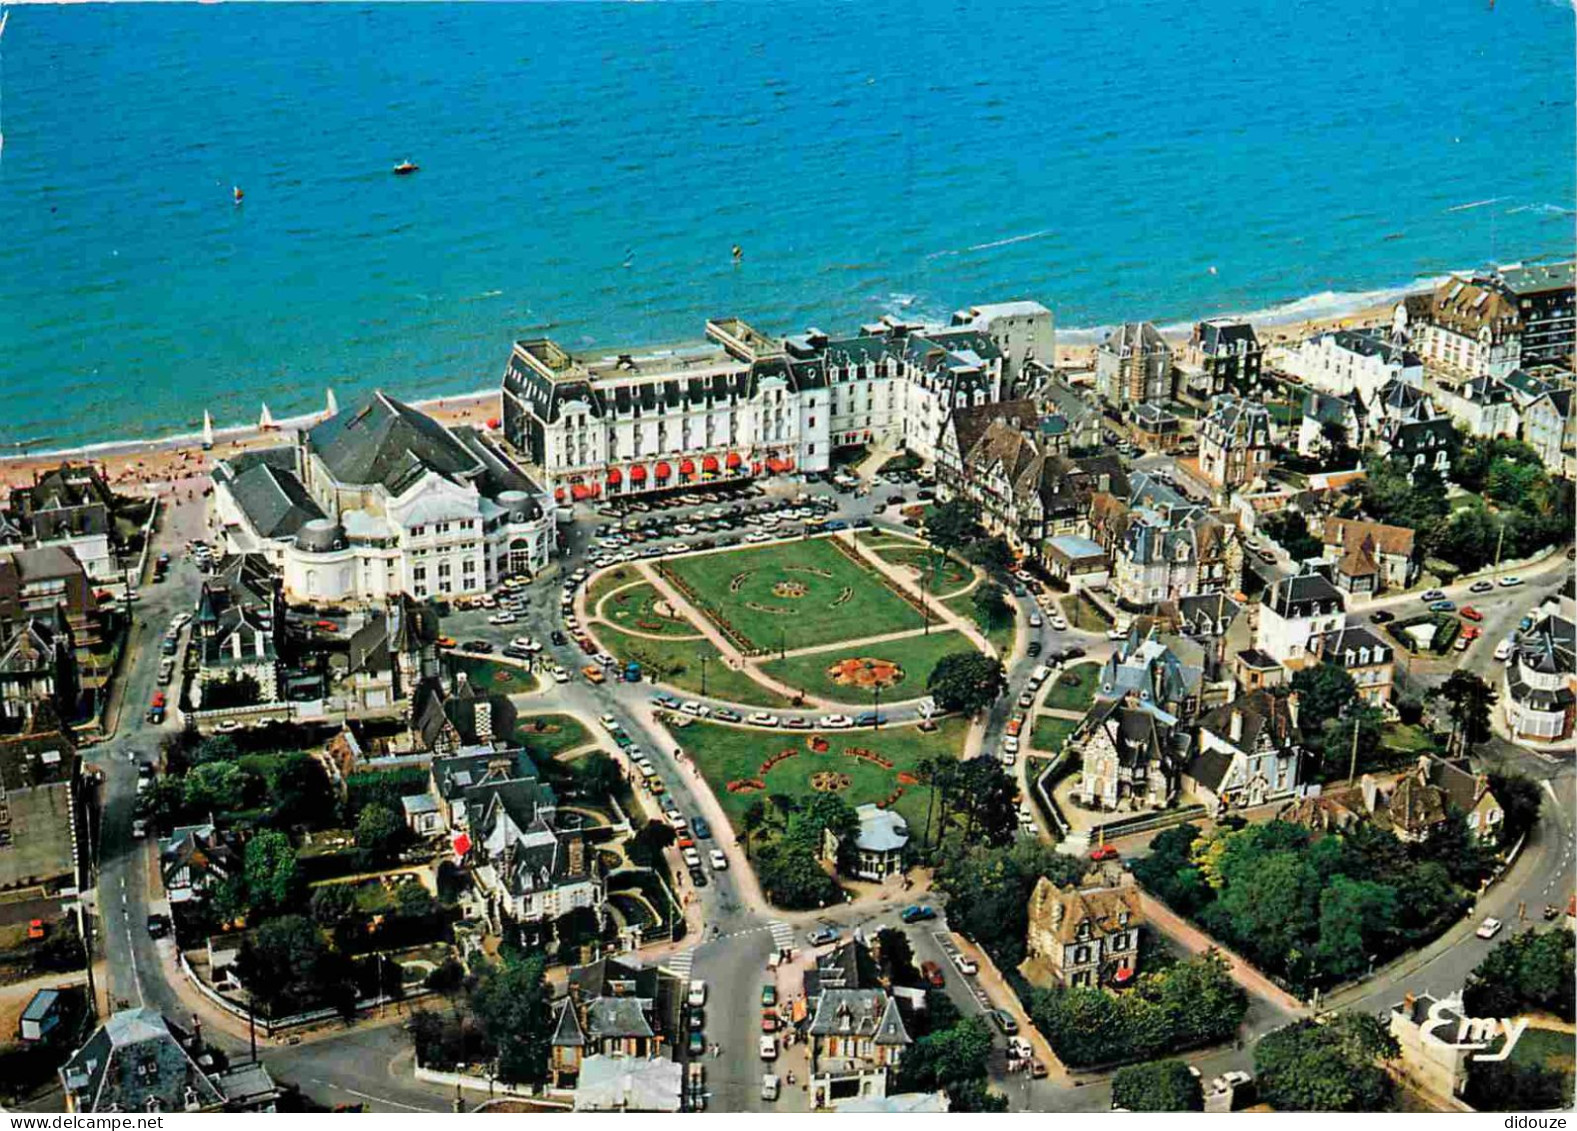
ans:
(1323, 304)
(1475, 204)
(1025, 238)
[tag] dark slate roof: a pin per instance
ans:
(614, 1017)
(1207, 613)
(40, 755)
(566, 1028)
(1142, 336)
(273, 500)
(1265, 716)
(386, 442)
(1209, 767)
(135, 1063)
(861, 1013)
(1305, 594)
(1375, 343)
(1227, 337)
(1354, 638)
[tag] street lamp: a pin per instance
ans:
(703, 675)
(876, 704)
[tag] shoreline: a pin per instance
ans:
(163, 459)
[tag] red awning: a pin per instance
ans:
(494, 423)
(462, 844)
(580, 491)
(775, 465)
(1123, 974)
(709, 463)
(687, 467)
(558, 494)
(637, 474)
(615, 477)
(733, 460)
(663, 471)
(755, 468)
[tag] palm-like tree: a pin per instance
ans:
(754, 819)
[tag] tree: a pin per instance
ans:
(1468, 701)
(753, 821)
(1530, 970)
(332, 903)
(946, 1057)
(512, 1006)
(993, 555)
(953, 525)
(1164, 1085)
(1331, 1067)
(1363, 722)
(966, 682)
(288, 966)
(989, 802)
(238, 689)
(1290, 530)
(301, 792)
(648, 843)
(793, 878)
(269, 866)
(413, 900)
(825, 812)
(1325, 692)
(1512, 1086)
(1520, 800)
(379, 831)
(990, 604)
(599, 775)
(1354, 915)
(988, 892)
(215, 787)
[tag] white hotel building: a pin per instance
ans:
(746, 405)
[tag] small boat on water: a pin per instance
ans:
(238, 194)
(333, 405)
(265, 423)
(208, 432)
(405, 168)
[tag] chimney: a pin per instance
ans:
(1408, 1001)
(1236, 732)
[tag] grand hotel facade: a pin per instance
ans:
(743, 405)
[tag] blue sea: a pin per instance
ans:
(586, 169)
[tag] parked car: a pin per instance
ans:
(917, 912)
(700, 828)
(769, 995)
(932, 973)
(719, 861)
(1105, 852)
(1432, 595)
(821, 936)
(1509, 582)
(1442, 606)
(1003, 1021)
(1468, 612)
(1380, 616)
(1489, 928)
(1481, 586)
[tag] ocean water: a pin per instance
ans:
(586, 170)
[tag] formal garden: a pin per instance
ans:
(881, 766)
(791, 595)
(897, 668)
(641, 611)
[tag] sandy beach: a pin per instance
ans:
(176, 462)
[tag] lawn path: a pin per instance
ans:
(943, 614)
(725, 647)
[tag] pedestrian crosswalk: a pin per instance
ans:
(782, 934)
(680, 963)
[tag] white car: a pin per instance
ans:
(769, 1047)
(139, 827)
(719, 861)
(757, 536)
(182, 620)
(560, 675)
(761, 719)
(503, 617)
(608, 722)
(1058, 623)
(692, 708)
(1116, 634)
(965, 964)
(1010, 743)
(1503, 650)
(836, 722)
(692, 858)
(679, 548)
(647, 769)
(604, 659)
(1508, 582)
(1035, 620)
(1009, 758)
(697, 994)
(1489, 928)
(488, 601)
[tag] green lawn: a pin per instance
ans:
(1547, 1048)
(917, 655)
(558, 732)
(1406, 739)
(634, 609)
(1061, 697)
(492, 675)
(1049, 733)
(678, 663)
(746, 591)
(1084, 613)
(727, 754)
(606, 583)
(942, 574)
(1001, 635)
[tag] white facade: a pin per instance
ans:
(750, 406)
(1344, 360)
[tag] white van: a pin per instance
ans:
(1039, 675)
(769, 1048)
(769, 1087)
(1503, 651)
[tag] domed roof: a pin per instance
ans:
(520, 505)
(320, 536)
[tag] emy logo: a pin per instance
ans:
(1446, 1028)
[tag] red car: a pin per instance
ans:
(1104, 852)
(1472, 633)
(158, 699)
(1470, 613)
(769, 1021)
(326, 626)
(931, 972)
(35, 929)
